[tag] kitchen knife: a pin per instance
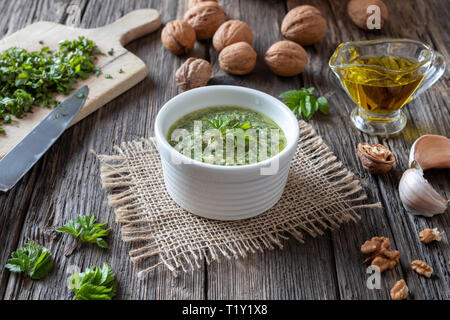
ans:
(26, 153)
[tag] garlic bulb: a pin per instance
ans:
(418, 196)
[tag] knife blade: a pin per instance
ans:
(26, 153)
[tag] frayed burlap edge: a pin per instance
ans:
(182, 240)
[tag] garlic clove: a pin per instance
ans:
(418, 196)
(430, 151)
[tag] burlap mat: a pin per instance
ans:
(320, 194)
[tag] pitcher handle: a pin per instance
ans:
(436, 71)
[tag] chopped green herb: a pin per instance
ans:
(304, 104)
(111, 52)
(108, 76)
(41, 42)
(80, 96)
(94, 283)
(121, 71)
(30, 79)
(86, 230)
(34, 259)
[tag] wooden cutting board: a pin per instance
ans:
(132, 26)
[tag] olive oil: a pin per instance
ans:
(381, 84)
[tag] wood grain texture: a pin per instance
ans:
(65, 182)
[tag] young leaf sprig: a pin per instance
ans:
(304, 104)
(94, 283)
(85, 230)
(33, 259)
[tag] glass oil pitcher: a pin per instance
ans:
(381, 76)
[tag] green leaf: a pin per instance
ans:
(324, 107)
(42, 266)
(71, 228)
(33, 259)
(94, 283)
(246, 126)
(304, 104)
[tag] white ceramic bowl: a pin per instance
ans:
(225, 192)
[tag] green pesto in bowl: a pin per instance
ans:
(227, 136)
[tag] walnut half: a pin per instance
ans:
(422, 268)
(399, 291)
(375, 158)
(428, 235)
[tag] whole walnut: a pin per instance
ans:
(178, 37)
(205, 18)
(193, 3)
(238, 58)
(357, 10)
(304, 25)
(230, 32)
(194, 73)
(286, 58)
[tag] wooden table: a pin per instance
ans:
(66, 181)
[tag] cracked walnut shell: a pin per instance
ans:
(286, 58)
(194, 73)
(428, 235)
(399, 291)
(375, 158)
(238, 58)
(357, 10)
(231, 32)
(422, 268)
(304, 25)
(178, 37)
(205, 17)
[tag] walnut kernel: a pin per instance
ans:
(231, 32)
(304, 25)
(380, 255)
(422, 268)
(386, 260)
(399, 291)
(193, 73)
(375, 244)
(375, 158)
(286, 58)
(178, 37)
(428, 235)
(357, 10)
(238, 58)
(205, 17)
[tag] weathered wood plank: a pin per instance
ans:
(15, 205)
(343, 139)
(68, 177)
(277, 274)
